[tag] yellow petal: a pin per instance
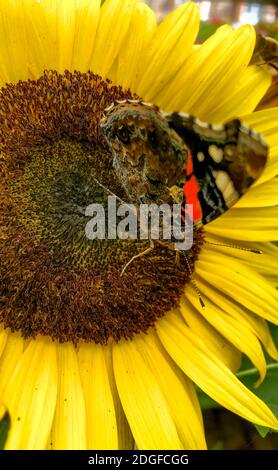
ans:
(210, 72)
(209, 373)
(264, 121)
(125, 438)
(222, 348)
(169, 377)
(246, 92)
(42, 36)
(142, 28)
(113, 71)
(114, 22)
(144, 404)
(87, 16)
(60, 34)
(254, 224)
(237, 333)
(69, 427)
(241, 283)
(174, 95)
(251, 234)
(31, 396)
(11, 355)
(13, 56)
(101, 427)
(66, 20)
(3, 339)
(263, 195)
(264, 263)
(242, 316)
(168, 50)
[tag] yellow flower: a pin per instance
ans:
(91, 395)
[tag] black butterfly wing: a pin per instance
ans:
(227, 160)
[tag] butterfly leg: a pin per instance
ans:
(170, 246)
(143, 253)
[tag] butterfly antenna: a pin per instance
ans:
(107, 189)
(112, 194)
(236, 247)
(194, 283)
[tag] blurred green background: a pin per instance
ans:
(263, 14)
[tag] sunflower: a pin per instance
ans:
(90, 359)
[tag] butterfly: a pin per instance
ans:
(174, 157)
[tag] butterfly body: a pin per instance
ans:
(149, 156)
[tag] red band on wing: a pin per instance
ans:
(191, 189)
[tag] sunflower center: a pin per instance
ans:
(54, 164)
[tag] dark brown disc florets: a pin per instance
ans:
(54, 280)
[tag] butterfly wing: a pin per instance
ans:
(226, 161)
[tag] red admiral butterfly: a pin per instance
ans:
(173, 158)
(161, 157)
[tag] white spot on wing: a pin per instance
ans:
(185, 115)
(148, 105)
(216, 153)
(222, 180)
(133, 101)
(229, 151)
(109, 108)
(201, 123)
(121, 101)
(230, 194)
(200, 156)
(217, 127)
(226, 186)
(244, 129)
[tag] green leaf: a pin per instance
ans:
(263, 431)
(274, 330)
(4, 429)
(206, 402)
(206, 30)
